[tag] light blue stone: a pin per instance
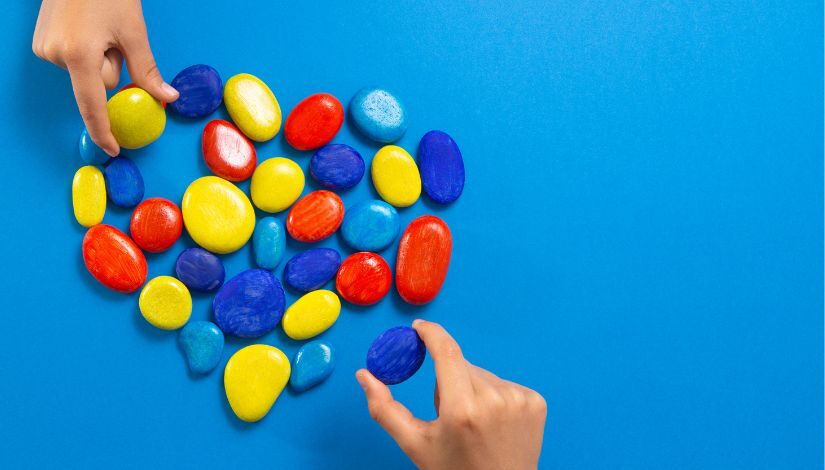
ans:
(90, 152)
(312, 365)
(269, 243)
(202, 342)
(370, 225)
(378, 114)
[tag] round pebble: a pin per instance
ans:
(88, 196)
(136, 118)
(395, 176)
(165, 303)
(89, 151)
(370, 225)
(202, 343)
(253, 107)
(314, 121)
(250, 304)
(311, 315)
(313, 364)
(364, 278)
(227, 152)
(378, 114)
(124, 183)
(311, 269)
(337, 166)
(113, 258)
(200, 89)
(276, 184)
(199, 270)
(396, 355)
(423, 259)
(156, 224)
(217, 215)
(253, 379)
(442, 167)
(269, 242)
(315, 217)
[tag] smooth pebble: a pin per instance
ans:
(370, 225)
(135, 117)
(269, 242)
(315, 217)
(442, 167)
(423, 259)
(156, 224)
(276, 184)
(200, 89)
(227, 152)
(311, 315)
(253, 379)
(364, 278)
(313, 364)
(396, 355)
(378, 114)
(124, 183)
(337, 166)
(113, 258)
(252, 106)
(250, 304)
(89, 151)
(395, 176)
(217, 215)
(165, 303)
(199, 270)
(311, 269)
(202, 343)
(314, 121)
(88, 196)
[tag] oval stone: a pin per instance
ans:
(311, 269)
(88, 196)
(314, 121)
(396, 355)
(227, 152)
(165, 303)
(253, 379)
(269, 242)
(202, 344)
(337, 166)
(200, 89)
(315, 217)
(124, 183)
(253, 107)
(199, 270)
(114, 259)
(136, 118)
(89, 151)
(423, 258)
(364, 278)
(370, 225)
(250, 304)
(156, 224)
(312, 364)
(217, 215)
(395, 176)
(442, 167)
(276, 184)
(378, 114)
(311, 315)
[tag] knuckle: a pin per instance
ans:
(51, 51)
(536, 401)
(451, 350)
(152, 73)
(465, 418)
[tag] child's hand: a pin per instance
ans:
(90, 38)
(483, 421)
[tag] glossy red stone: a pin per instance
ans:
(132, 85)
(156, 224)
(114, 259)
(315, 216)
(364, 278)
(423, 258)
(314, 122)
(227, 152)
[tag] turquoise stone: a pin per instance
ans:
(370, 225)
(90, 152)
(312, 364)
(378, 114)
(269, 242)
(202, 343)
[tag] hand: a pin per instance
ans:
(90, 38)
(483, 421)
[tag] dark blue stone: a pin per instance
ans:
(441, 167)
(337, 166)
(311, 269)
(250, 304)
(199, 270)
(124, 184)
(396, 355)
(200, 89)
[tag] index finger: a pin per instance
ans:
(90, 93)
(451, 372)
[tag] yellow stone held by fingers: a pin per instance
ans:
(395, 176)
(312, 314)
(276, 184)
(88, 196)
(217, 215)
(136, 118)
(253, 378)
(253, 107)
(165, 303)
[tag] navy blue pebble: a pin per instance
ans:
(124, 183)
(250, 304)
(201, 91)
(199, 270)
(441, 166)
(311, 269)
(396, 355)
(337, 166)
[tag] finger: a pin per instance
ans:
(90, 93)
(142, 67)
(391, 415)
(112, 65)
(436, 399)
(450, 367)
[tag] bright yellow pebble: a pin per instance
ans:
(165, 303)
(395, 176)
(253, 378)
(217, 215)
(89, 196)
(312, 314)
(136, 118)
(252, 106)
(276, 184)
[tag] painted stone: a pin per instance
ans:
(364, 278)
(395, 176)
(124, 183)
(315, 217)
(314, 121)
(253, 379)
(378, 114)
(253, 107)
(156, 224)
(250, 304)
(89, 151)
(199, 270)
(165, 303)
(200, 89)
(311, 315)
(227, 152)
(337, 166)
(313, 364)
(202, 343)
(113, 258)
(396, 355)
(269, 242)
(423, 258)
(311, 269)
(136, 118)
(132, 85)
(370, 225)
(217, 215)
(442, 167)
(276, 184)
(88, 196)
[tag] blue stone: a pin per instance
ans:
(337, 166)
(269, 243)
(124, 183)
(202, 342)
(200, 89)
(441, 167)
(250, 304)
(396, 355)
(199, 270)
(378, 114)
(311, 269)
(370, 225)
(90, 152)
(312, 365)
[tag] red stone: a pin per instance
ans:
(132, 85)
(363, 278)
(423, 258)
(227, 152)
(156, 224)
(314, 122)
(315, 216)
(114, 259)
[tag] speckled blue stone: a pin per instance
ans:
(396, 355)
(90, 152)
(311, 269)
(378, 114)
(201, 91)
(250, 304)
(124, 183)
(199, 270)
(202, 343)
(337, 166)
(441, 167)
(370, 225)
(312, 364)
(269, 242)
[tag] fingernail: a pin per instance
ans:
(111, 153)
(417, 322)
(362, 381)
(167, 88)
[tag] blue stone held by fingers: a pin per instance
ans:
(396, 355)
(201, 91)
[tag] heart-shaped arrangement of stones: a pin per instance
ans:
(220, 218)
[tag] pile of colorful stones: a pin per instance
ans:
(220, 218)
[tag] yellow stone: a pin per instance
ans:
(89, 196)
(165, 303)
(395, 176)
(276, 184)
(217, 215)
(136, 118)
(253, 378)
(252, 106)
(312, 314)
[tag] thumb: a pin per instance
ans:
(395, 418)
(142, 67)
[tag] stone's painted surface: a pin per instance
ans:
(276, 184)
(113, 258)
(311, 315)
(227, 152)
(253, 379)
(442, 167)
(217, 215)
(199, 270)
(253, 107)
(314, 121)
(396, 355)
(124, 183)
(89, 151)
(315, 217)
(370, 225)
(269, 242)
(378, 114)
(88, 196)
(200, 89)
(250, 304)
(423, 258)
(202, 343)
(136, 118)
(165, 303)
(337, 166)
(311, 269)
(156, 224)
(364, 278)
(132, 85)
(395, 176)
(313, 364)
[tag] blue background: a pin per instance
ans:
(640, 238)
